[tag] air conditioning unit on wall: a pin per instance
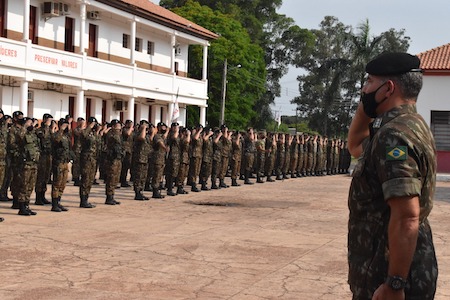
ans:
(120, 105)
(93, 15)
(50, 9)
(63, 9)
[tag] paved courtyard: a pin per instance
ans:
(281, 240)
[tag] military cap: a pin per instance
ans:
(174, 124)
(7, 117)
(199, 126)
(79, 119)
(92, 120)
(17, 113)
(142, 122)
(62, 121)
(128, 122)
(68, 116)
(161, 124)
(223, 126)
(114, 122)
(47, 116)
(393, 63)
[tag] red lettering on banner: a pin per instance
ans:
(8, 52)
(46, 59)
(69, 64)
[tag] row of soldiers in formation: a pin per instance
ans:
(30, 155)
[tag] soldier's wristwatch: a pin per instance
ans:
(396, 282)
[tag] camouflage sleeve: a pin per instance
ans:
(398, 163)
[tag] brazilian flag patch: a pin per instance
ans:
(396, 153)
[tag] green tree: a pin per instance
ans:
(335, 72)
(244, 84)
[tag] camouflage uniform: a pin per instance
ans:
(207, 161)
(45, 163)
(60, 167)
(3, 152)
(173, 162)
(76, 171)
(127, 141)
(301, 158)
(88, 162)
(184, 165)
(294, 157)
(16, 162)
(271, 157)
(399, 160)
(280, 159)
(216, 162)
(113, 164)
(28, 147)
(260, 145)
(249, 150)
(196, 160)
(140, 158)
(159, 153)
(226, 150)
(236, 158)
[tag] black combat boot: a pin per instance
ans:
(125, 184)
(139, 196)
(180, 190)
(169, 184)
(62, 208)
(55, 206)
(157, 194)
(204, 186)
(40, 199)
(23, 211)
(76, 182)
(32, 213)
(84, 202)
(148, 187)
(247, 180)
(15, 204)
(222, 184)
(258, 179)
(234, 182)
(214, 185)
(194, 188)
(110, 200)
(269, 179)
(4, 197)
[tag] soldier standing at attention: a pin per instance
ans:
(28, 148)
(294, 155)
(113, 161)
(249, 150)
(184, 162)
(3, 140)
(44, 133)
(60, 163)
(160, 149)
(127, 140)
(76, 171)
(226, 150)
(88, 160)
(271, 156)
(216, 158)
(196, 157)
(206, 168)
(280, 155)
(5, 123)
(15, 155)
(236, 157)
(173, 158)
(141, 151)
(260, 145)
(390, 245)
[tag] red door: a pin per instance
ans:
(2, 18)
(33, 27)
(92, 50)
(69, 35)
(88, 108)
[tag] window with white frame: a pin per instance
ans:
(138, 46)
(150, 48)
(440, 126)
(126, 41)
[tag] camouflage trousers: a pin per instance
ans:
(26, 178)
(206, 171)
(294, 163)
(249, 161)
(88, 171)
(287, 162)
(60, 174)
(235, 168)
(158, 176)
(44, 172)
(76, 171)
(112, 176)
(194, 168)
(15, 180)
(216, 167)
(279, 166)
(140, 172)
(260, 163)
(224, 167)
(126, 165)
(182, 174)
(2, 172)
(172, 167)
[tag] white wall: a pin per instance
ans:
(435, 95)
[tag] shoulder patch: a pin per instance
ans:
(396, 153)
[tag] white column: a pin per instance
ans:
(133, 42)
(26, 21)
(108, 110)
(80, 105)
(130, 109)
(82, 26)
(172, 58)
(139, 113)
(155, 114)
(203, 115)
(205, 62)
(23, 101)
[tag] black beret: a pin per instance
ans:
(393, 63)
(143, 122)
(161, 124)
(114, 122)
(62, 121)
(223, 126)
(7, 117)
(199, 126)
(68, 116)
(128, 122)
(92, 120)
(17, 113)
(79, 119)
(174, 124)
(47, 116)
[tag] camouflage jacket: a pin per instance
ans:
(398, 160)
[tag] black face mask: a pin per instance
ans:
(66, 130)
(163, 131)
(370, 104)
(30, 128)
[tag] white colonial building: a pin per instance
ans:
(124, 59)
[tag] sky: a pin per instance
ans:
(427, 23)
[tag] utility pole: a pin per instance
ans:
(224, 92)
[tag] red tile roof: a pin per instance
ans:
(436, 58)
(166, 17)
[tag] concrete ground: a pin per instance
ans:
(281, 240)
